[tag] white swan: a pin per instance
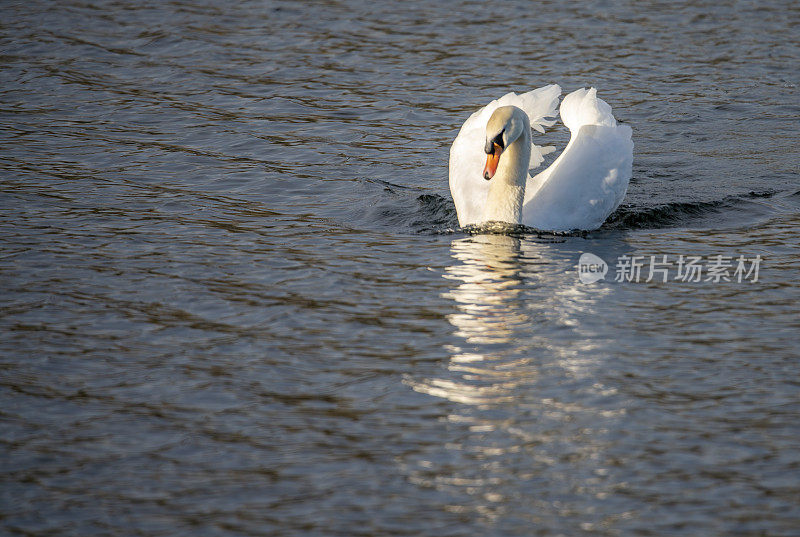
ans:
(577, 191)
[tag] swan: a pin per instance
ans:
(577, 191)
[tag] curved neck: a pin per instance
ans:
(507, 187)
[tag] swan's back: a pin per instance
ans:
(467, 185)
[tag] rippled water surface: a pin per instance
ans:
(236, 301)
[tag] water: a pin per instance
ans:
(236, 301)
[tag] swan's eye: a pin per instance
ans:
(498, 140)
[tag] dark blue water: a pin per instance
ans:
(235, 299)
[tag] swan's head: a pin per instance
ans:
(505, 126)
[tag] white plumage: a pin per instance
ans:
(578, 190)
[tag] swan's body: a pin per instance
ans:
(577, 191)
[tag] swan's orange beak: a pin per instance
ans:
(492, 159)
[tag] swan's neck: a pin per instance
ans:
(507, 187)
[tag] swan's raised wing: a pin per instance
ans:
(589, 179)
(467, 185)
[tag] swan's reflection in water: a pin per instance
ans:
(529, 419)
(489, 284)
(488, 288)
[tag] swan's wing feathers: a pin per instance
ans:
(583, 107)
(540, 104)
(585, 183)
(590, 177)
(537, 155)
